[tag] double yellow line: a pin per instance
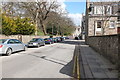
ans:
(76, 65)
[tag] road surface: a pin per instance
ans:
(50, 61)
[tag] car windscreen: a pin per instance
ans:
(34, 40)
(3, 40)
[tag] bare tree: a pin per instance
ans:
(59, 23)
(38, 10)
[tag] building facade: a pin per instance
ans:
(102, 18)
(77, 32)
(83, 27)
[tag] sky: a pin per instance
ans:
(75, 10)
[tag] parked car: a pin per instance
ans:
(66, 37)
(55, 40)
(36, 42)
(8, 46)
(52, 40)
(58, 39)
(62, 38)
(48, 40)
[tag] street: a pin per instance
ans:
(69, 59)
(60, 39)
(50, 61)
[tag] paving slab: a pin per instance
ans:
(95, 65)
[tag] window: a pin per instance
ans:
(99, 23)
(40, 39)
(34, 39)
(108, 10)
(112, 24)
(99, 10)
(17, 41)
(11, 41)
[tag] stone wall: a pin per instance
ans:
(92, 29)
(23, 38)
(108, 46)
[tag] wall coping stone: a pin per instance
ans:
(105, 35)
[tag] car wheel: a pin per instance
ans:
(9, 52)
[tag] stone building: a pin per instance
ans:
(83, 27)
(102, 18)
(77, 32)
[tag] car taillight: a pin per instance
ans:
(1, 46)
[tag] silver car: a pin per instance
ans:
(8, 46)
(36, 42)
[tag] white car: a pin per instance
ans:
(8, 46)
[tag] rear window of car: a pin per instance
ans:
(34, 40)
(46, 39)
(3, 40)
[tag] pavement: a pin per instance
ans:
(94, 65)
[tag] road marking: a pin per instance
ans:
(76, 66)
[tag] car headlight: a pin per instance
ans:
(35, 43)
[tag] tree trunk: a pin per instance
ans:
(36, 28)
(37, 22)
(43, 29)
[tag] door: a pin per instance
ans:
(19, 45)
(11, 44)
(40, 41)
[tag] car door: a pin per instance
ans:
(40, 41)
(11, 44)
(18, 44)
